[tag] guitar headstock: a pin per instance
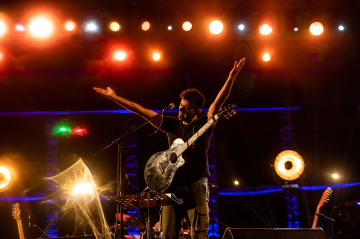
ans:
(325, 197)
(227, 111)
(16, 211)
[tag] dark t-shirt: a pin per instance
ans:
(196, 158)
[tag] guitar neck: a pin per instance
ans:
(196, 136)
(316, 217)
(20, 229)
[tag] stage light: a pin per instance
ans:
(169, 28)
(70, 26)
(266, 57)
(119, 55)
(0, 56)
(335, 176)
(265, 29)
(289, 165)
(114, 26)
(2, 28)
(341, 28)
(156, 56)
(187, 26)
(236, 182)
(80, 131)
(83, 189)
(296, 29)
(62, 129)
(5, 179)
(19, 28)
(216, 27)
(41, 27)
(316, 28)
(241, 27)
(91, 27)
(145, 26)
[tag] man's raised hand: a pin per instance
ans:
(237, 67)
(107, 93)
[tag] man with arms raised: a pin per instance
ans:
(190, 181)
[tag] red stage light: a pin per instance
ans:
(2, 28)
(187, 26)
(80, 131)
(70, 26)
(119, 55)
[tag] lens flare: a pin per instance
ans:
(216, 27)
(70, 26)
(83, 189)
(41, 27)
(187, 26)
(2, 28)
(145, 26)
(265, 29)
(156, 56)
(316, 28)
(114, 26)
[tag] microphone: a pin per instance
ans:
(169, 107)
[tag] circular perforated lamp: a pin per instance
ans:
(289, 165)
(5, 179)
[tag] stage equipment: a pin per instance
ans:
(156, 56)
(266, 57)
(6, 180)
(16, 214)
(69, 26)
(274, 233)
(265, 29)
(216, 27)
(41, 27)
(145, 26)
(348, 220)
(289, 165)
(316, 28)
(187, 26)
(161, 167)
(2, 28)
(114, 26)
(145, 200)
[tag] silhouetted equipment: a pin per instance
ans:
(274, 233)
(348, 221)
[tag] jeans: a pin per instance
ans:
(195, 210)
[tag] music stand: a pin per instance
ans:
(152, 199)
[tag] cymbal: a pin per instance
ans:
(130, 221)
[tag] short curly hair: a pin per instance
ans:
(193, 95)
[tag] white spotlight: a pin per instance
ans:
(41, 27)
(296, 29)
(91, 27)
(19, 28)
(341, 28)
(241, 27)
(216, 27)
(169, 28)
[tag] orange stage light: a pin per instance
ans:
(119, 55)
(6, 179)
(216, 27)
(187, 26)
(41, 27)
(114, 26)
(156, 56)
(70, 26)
(145, 26)
(265, 29)
(2, 28)
(289, 165)
(316, 28)
(266, 57)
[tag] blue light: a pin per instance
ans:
(296, 29)
(169, 28)
(341, 28)
(241, 27)
(91, 27)
(250, 193)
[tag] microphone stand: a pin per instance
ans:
(119, 192)
(332, 223)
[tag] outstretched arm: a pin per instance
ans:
(225, 90)
(132, 106)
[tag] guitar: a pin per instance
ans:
(16, 214)
(324, 199)
(162, 166)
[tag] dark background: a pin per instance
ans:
(319, 74)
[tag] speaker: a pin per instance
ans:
(274, 233)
